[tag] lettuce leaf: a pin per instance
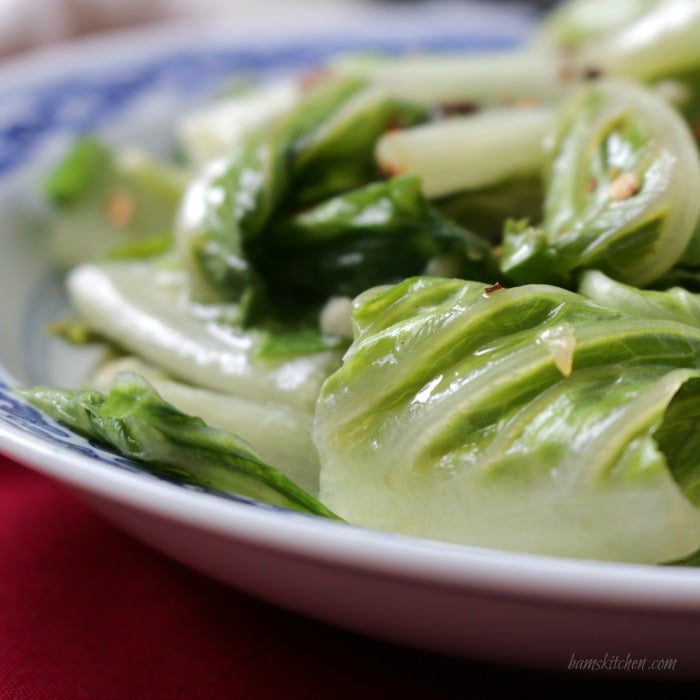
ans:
(377, 234)
(673, 304)
(136, 421)
(320, 148)
(528, 418)
(622, 194)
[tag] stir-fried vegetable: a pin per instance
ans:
(469, 152)
(623, 191)
(380, 233)
(674, 304)
(573, 24)
(135, 420)
(322, 147)
(109, 204)
(526, 418)
(145, 311)
(354, 273)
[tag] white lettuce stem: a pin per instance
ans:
(469, 152)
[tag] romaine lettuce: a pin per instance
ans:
(136, 421)
(528, 418)
(623, 191)
(322, 147)
(673, 304)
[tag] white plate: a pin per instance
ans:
(517, 610)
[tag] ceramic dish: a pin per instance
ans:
(517, 610)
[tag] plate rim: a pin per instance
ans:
(533, 576)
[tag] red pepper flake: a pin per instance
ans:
(592, 185)
(453, 108)
(394, 123)
(120, 209)
(314, 78)
(567, 74)
(526, 102)
(493, 288)
(390, 169)
(592, 73)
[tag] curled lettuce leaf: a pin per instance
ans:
(469, 152)
(220, 125)
(479, 169)
(655, 42)
(478, 79)
(228, 204)
(338, 155)
(643, 40)
(378, 234)
(136, 421)
(661, 43)
(623, 191)
(320, 148)
(528, 418)
(487, 210)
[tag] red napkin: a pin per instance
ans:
(88, 612)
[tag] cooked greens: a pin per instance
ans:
(323, 147)
(623, 191)
(135, 420)
(573, 24)
(378, 234)
(468, 152)
(106, 203)
(251, 419)
(145, 311)
(673, 304)
(528, 418)
(452, 295)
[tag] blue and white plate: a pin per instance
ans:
(518, 610)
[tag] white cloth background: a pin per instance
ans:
(28, 24)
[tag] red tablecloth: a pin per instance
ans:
(88, 612)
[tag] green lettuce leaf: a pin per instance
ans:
(623, 191)
(378, 234)
(134, 420)
(674, 304)
(528, 418)
(145, 310)
(251, 419)
(575, 23)
(486, 210)
(660, 44)
(321, 147)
